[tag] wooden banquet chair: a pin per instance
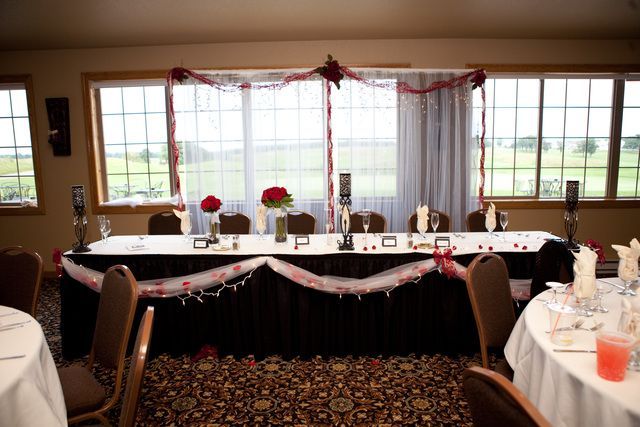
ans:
(136, 370)
(164, 223)
(84, 397)
(300, 222)
(20, 278)
(234, 223)
(490, 296)
(554, 263)
(475, 221)
(377, 223)
(493, 401)
(444, 225)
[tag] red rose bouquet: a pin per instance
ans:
(595, 246)
(276, 197)
(210, 204)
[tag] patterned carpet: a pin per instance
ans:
(425, 390)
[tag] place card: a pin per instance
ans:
(302, 239)
(389, 241)
(443, 241)
(200, 243)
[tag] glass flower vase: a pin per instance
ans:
(214, 227)
(281, 224)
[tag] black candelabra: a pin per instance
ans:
(346, 244)
(79, 218)
(571, 213)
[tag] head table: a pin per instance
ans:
(265, 310)
(30, 390)
(565, 387)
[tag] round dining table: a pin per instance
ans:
(565, 386)
(30, 390)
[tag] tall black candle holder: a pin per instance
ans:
(571, 213)
(346, 244)
(79, 218)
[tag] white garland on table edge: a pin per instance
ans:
(194, 285)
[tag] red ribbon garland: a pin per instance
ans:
(477, 77)
(445, 262)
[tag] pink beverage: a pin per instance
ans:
(613, 354)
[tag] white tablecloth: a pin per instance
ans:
(30, 390)
(565, 387)
(465, 243)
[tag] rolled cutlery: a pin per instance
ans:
(568, 350)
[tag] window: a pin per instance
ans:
(20, 185)
(236, 143)
(542, 132)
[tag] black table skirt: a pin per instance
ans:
(273, 315)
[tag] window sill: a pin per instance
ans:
(144, 208)
(17, 210)
(559, 204)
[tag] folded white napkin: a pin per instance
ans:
(584, 269)
(628, 265)
(261, 218)
(423, 219)
(490, 218)
(630, 317)
(185, 220)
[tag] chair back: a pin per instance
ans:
(234, 223)
(444, 225)
(494, 400)
(164, 223)
(300, 222)
(21, 273)
(475, 221)
(554, 263)
(116, 309)
(136, 370)
(490, 295)
(377, 223)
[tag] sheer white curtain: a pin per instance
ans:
(400, 149)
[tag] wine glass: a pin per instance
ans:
(185, 227)
(105, 230)
(628, 274)
(435, 221)
(504, 220)
(101, 224)
(366, 220)
(601, 290)
(554, 287)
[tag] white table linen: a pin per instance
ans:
(30, 390)
(250, 244)
(565, 387)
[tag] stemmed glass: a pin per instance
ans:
(105, 229)
(490, 229)
(628, 276)
(435, 221)
(601, 290)
(101, 224)
(186, 227)
(504, 220)
(554, 287)
(366, 219)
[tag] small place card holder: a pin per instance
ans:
(200, 243)
(302, 239)
(389, 241)
(443, 241)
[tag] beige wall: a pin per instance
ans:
(57, 74)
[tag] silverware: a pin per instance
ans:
(15, 356)
(576, 325)
(15, 324)
(8, 314)
(611, 283)
(562, 350)
(10, 327)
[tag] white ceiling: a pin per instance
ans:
(54, 24)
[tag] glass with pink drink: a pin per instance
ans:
(613, 354)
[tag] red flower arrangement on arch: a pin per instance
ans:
(210, 204)
(331, 71)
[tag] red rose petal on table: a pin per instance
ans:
(295, 247)
(479, 246)
(490, 248)
(524, 248)
(237, 267)
(515, 245)
(415, 247)
(364, 249)
(454, 248)
(373, 247)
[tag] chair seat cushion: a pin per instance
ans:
(503, 368)
(82, 393)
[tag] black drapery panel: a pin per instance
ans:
(273, 315)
